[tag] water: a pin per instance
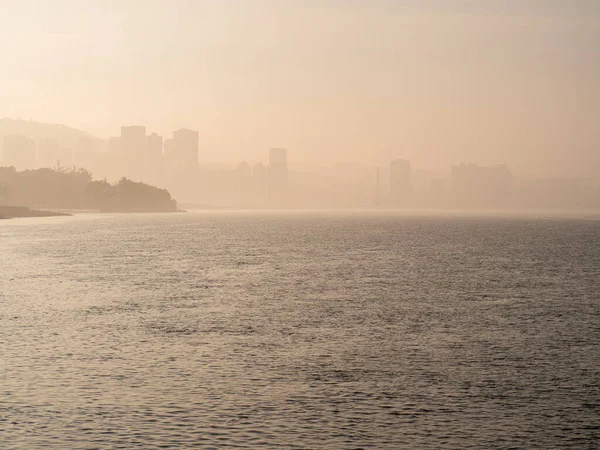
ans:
(231, 330)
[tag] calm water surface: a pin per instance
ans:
(236, 330)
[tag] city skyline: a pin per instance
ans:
(175, 163)
(308, 224)
(112, 144)
(439, 82)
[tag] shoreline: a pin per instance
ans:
(18, 212)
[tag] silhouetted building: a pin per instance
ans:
(154, 146)
(401, 190)
(18, 151)
(133, 139)
(186, 149)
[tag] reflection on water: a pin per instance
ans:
(331, 331)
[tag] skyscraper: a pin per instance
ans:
(186, 149)
(400, 182)
(154, 146)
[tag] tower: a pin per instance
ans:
(186, 149)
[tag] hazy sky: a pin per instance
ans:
(434, 81)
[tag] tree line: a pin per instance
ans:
(62, 188)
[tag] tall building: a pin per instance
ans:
(133, 140)
(186, 149)
(154, 146)
(401, 189)
(19, 151)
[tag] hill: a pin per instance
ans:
(67, 137)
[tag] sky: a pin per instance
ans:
(437, 82)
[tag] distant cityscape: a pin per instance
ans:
(174, 163)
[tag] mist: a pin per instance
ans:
(345, 87)
(303, 224)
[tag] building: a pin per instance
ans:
(19, 151)
(154, 146)
(185, 149)
(169, 148)
(133, 141)
(401, 189)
